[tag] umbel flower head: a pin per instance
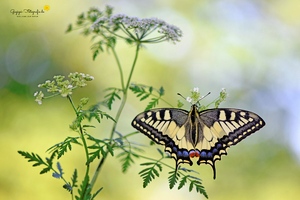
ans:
(133, 29)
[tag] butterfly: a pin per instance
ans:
(205, 135)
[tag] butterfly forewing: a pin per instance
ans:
(161, 125)
(206, 134)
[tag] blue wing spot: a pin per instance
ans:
(185, 154)
(203, 155)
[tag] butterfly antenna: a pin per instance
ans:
(181, 96)
(197, 102)
(202, 98)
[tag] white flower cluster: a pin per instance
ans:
(61, 85)
(137, 28)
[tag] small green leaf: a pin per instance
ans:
(148, 174)
(95, 112)
(153, 103)
(173, 178)
(179, 104)
(70, 28)
(97, 192)
(84, 189)
(161, 91)
(62, 147)
(144, 97)
(74, 178)
(45, 170)
(144, 92)
(37, 161)
(160, 152)
(182, 182)
(111, 96)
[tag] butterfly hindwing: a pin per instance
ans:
(205, 135)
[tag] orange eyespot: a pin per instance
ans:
(194, 153)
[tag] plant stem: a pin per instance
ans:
(81, 133)
(133, 65)
(123, 102)
(119, 67)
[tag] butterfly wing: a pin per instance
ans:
(222, 128)
(166, 127)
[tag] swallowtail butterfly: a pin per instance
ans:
(205, 135)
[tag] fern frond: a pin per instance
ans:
(149, 173)
(173, 178)
(62, 147)
(95, 112)
(153, 103)
(182, 182)
(127, 159)
(111, 96)
(143, 92)
(32, 157)
(84, 190)
(195, 182)
(101, 147)
(74, 178)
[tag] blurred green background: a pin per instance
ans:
(251, 48)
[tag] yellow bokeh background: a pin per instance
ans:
(251, 48)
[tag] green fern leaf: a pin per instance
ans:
(96, 193)
(62, 147)
(111, 96)
(74, 178)
(84, 189)
(148, 174)
(196, 182)
(161, 91)
(182, 182)
(100, 147)
(126, 159)
(173, 178)
(95, 112)
(37, 161)
(153, 103)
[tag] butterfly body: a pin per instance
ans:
(204, 135)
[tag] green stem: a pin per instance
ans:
(124, 99)
(133, 65)
(123, 102)
(81, 133)
(119, 67)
